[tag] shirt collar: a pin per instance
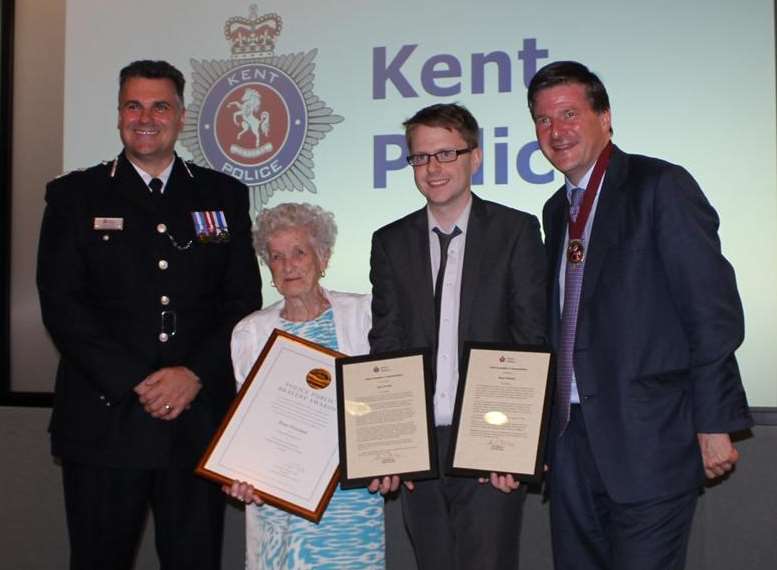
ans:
(163, 176)
(583, 182)
(461, 221)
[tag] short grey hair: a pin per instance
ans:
(319, 223)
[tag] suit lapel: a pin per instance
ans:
(182, 196)
(128, 184)
(605, 226)
(421, 268)
(555, 231)
(178, 186)
(473, 254)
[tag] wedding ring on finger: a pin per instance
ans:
(168, 408)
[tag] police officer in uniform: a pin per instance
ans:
(145, 265)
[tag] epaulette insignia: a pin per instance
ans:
(69, 172)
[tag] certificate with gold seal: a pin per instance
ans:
(280, 434)
(385, 421)
(501, 412)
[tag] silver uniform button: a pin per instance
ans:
(163, 337)
(164, 299)
(161, 228)
(106, 237)
(162, 264)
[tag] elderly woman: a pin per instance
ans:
(296, 241)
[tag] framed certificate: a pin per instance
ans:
(280, 434)
(501, 412)
(385, 417)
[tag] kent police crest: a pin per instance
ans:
(255, 116)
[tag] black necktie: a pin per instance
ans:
(445, 240)
(156, 186)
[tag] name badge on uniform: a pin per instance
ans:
(115, 224)
(211, 226)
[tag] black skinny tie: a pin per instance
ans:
(445, 240)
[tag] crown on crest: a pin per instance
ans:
(253, 36)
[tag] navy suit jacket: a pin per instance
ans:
(502, 285)
(101, 297)
(658, 324)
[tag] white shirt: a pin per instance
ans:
(574, 396)
(448, 346)
(163, 176)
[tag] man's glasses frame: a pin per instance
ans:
(446, 155)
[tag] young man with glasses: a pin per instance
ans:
(460, 269)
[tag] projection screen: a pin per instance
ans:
(690, 82)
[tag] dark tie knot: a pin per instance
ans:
(444, 238)
(156, 185)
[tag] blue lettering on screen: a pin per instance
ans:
(441, 66)
(382, 164)
(441, 73)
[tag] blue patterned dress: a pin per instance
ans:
(350, 534)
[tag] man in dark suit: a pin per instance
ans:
(485, 261)
(645, 318)
(141, 309)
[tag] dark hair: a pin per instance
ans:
(564, 72)
(448, 116)
(149, 69)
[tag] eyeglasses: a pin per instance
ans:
(448, 155)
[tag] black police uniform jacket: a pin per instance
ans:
(103, 292)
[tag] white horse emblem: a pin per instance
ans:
(251, 119)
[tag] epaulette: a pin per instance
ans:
(76, 170)
(69, 172)
(187, 164)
